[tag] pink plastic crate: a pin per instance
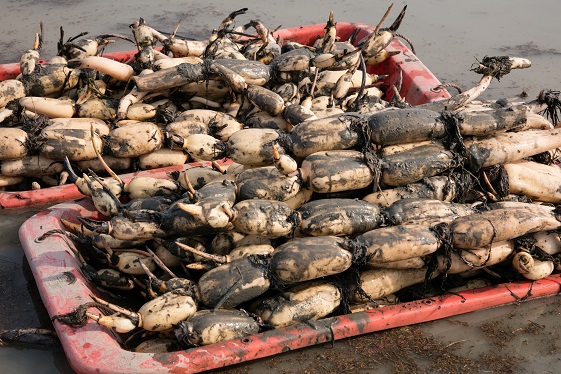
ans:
(96, 349)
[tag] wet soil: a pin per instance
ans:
(448, 37)
(508, 339)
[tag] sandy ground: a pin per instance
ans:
(449, 37)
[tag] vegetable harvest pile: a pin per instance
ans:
(320, 197)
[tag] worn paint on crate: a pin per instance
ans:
(51, 195)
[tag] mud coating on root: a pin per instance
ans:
(336, 217)
(496, 66)
(477, 157)
(405, 126)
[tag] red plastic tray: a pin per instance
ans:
(95, 349)
(417, 88)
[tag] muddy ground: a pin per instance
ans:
(449, 37)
